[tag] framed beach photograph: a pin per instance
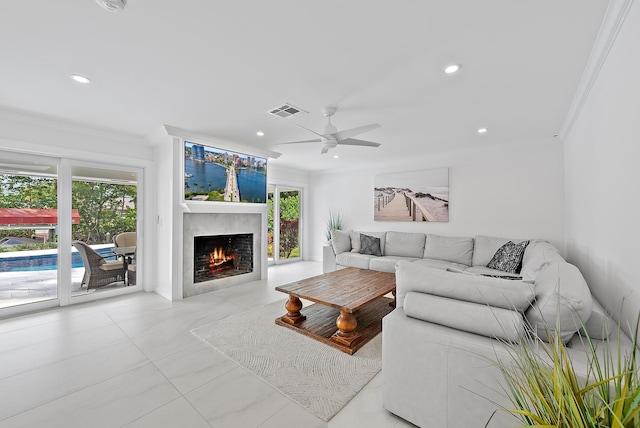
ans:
(412, 196)
(219, 175)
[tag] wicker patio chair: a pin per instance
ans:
(131, 274)
(97, 271)
(125, 239)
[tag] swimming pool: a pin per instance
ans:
(24, 261)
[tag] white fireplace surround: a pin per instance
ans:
(205, 219)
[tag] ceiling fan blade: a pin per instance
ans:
(348, 133)
(310, 130)
(298, 142)
(356, 142)
(324, 150)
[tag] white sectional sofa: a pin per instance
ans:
(440, 339)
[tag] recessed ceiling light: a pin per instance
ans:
(80, 79)
(336, 156)
(260, 134)
(482, 130)
(452, 68)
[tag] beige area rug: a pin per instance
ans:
(318, 377)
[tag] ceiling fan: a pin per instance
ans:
(330, 137)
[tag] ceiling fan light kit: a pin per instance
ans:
(330, 137)
(112, 5)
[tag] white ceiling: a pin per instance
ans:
(216, 68)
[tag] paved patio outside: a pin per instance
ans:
(18, 288)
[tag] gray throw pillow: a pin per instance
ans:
(508, 258)
(370, 245)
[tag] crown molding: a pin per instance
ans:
(48, 122)
(611, 23)
(201, 138)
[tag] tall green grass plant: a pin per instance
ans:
(546, 391)
(334, 222)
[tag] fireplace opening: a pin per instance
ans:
(222, 256)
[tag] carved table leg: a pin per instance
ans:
(293, 307)
(346, 324)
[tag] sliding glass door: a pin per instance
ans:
(104, 215)
(68, 229)
(284, 226)
(28, 230)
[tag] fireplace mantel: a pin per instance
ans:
(203, 207)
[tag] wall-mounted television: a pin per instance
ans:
(218, 175)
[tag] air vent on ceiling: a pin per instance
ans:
(286, 111)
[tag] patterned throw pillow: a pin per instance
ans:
(508, 258)
(370, 245)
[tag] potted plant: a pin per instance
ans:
(334, 222)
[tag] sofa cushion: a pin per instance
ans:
(370, 245)
(471, 288)
(439, 264)
(538, 253)
(449, 248)
(472, 317)
(508, 258)
(340, 240)
(563, 301)
(485, 271)
(485, 247)
(599, 325)
(387, 263)
(354, 260)
(404, 244)
(355, 240)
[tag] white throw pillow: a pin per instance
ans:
(340, 241)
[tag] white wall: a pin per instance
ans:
(513, 191)
(166, 275)
(602, 151)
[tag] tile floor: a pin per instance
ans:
(131, 361)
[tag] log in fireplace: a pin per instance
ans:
(222, 256)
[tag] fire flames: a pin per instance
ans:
(219, 261)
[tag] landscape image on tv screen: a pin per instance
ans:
(218, 175)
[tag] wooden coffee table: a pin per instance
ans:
(349, 306)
